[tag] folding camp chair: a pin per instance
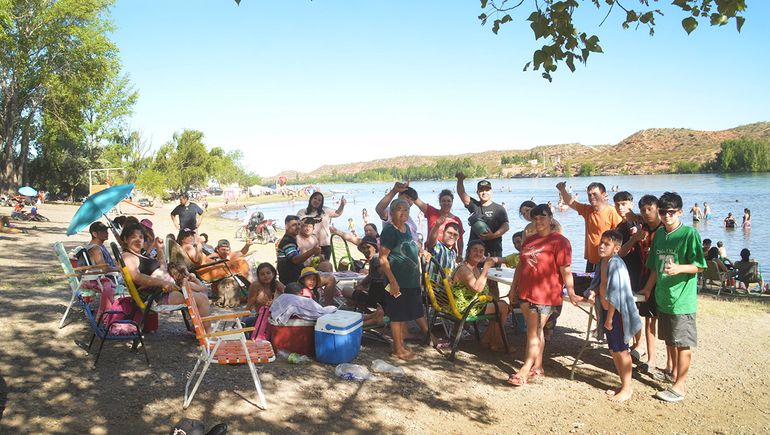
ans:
(443, 304)
(112, 330)
(147, 304)
(713, 275)
(76, 276)
(228, 346)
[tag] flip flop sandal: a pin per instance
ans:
(669, 395)
(516, 380)
(443, 344)
(536, 375)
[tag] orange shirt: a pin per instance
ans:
(597, 222)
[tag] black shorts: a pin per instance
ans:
(406, 307)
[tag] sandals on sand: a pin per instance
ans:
(669, 395)
(516, 380)
(536, 375)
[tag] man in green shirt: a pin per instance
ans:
(674, 260)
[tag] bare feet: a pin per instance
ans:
(404, 354)
(622, 395)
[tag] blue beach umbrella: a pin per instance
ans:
(28, 191)
(97, 205)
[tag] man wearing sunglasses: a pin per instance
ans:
(598, 215)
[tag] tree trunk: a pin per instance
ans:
(22, 174)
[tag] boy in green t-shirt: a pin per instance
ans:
(674, 260)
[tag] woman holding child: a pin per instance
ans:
(468, 280)
(315, 209)
(543, 269)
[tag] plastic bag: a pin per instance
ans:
(353, 372)
(381, 366)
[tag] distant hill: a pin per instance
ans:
(655, 150)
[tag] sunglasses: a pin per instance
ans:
(670, 212)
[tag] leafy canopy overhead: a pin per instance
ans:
(553, 21)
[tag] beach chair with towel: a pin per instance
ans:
(77, 277)
(112, 325)
(226, 346)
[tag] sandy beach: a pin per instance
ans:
(53, 387)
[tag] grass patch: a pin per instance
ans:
(732, 308)
(46, 278)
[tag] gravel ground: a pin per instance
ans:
(53, 387)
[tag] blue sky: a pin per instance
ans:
(301, 83)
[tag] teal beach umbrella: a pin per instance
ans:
(27, 191)
(97, 205)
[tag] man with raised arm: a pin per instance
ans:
(598, 215)
(404, 192)
(488, 220)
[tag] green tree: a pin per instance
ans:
(743, 155)
(185, 161)
(57, 71)
(553, 22)
(152, 183)
(587, 170)
(128, 151)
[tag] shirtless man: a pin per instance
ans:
(306, 240)
(696, 212)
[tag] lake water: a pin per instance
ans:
(725, 193)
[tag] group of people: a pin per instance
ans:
(704, 214)
(644, 264)
(649, 257)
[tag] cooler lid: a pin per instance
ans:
(340, 322)
(294, 321)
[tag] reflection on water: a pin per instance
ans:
(724, 194)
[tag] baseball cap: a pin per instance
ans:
(484, 185)
(223, 242)
(97, 226)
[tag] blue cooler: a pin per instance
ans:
(338, 337)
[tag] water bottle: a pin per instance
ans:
(293, 357)
(296, 358)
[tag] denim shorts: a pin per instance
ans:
(544, 310)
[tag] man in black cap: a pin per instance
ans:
(186, 215)
(222, 251)
(488, 220)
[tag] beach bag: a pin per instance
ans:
(261, 331)
(124, 309)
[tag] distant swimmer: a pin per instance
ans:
(730, 221)
(746, 218)
(707, 211)
(697, 214)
